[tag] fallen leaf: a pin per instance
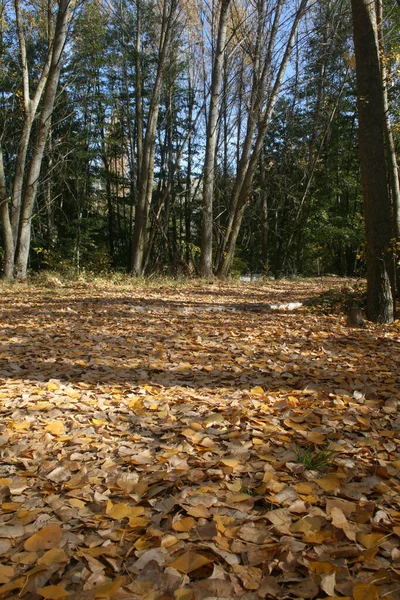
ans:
(45, 539)
(53, 592)
(189, 561)
(366, 591)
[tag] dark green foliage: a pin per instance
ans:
(342, 299)
(314, 459)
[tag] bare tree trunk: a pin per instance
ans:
(8, 266)
(371, 117)
(17, 213)
(146, 170)
(188, 191)
(32, 179)
(11, 220)
(211, 146)
(138, 86)
(392, 166)
(247, 167)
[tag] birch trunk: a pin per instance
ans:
(32, 178)
(211, 146)
(146, 167)
(247, 167)
(391, 157)
(16, 211)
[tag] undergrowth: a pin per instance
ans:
(313, 459)
(340, 299)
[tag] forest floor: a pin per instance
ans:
(191, 442)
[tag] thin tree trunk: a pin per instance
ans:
(246, 170)
(392, 166)
(145, 185)
(30, 107)
(32, 179)
(8, 266)
(211, 146)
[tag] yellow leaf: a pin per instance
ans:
(190, 561)
(122, 511)
(396, 530)
(138, 522)
(329, 484)
(10, 506)
(107, 590)
(184, 594)
(230, 462)
(257, 391)
(56, 427)
(304, 488)
(135, 403)
(198, 511)
(53, 592)
(6, 573)
(235, 498)
(5, 481)
(52, 387)
(366, 591)
(213, 419)
(370, 540)
(320, 567)
(21, 426)
(168, 540)
(77, 503)
(53, 557)
(185, 524)
(48, 537)
(250, 576)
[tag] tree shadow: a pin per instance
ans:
(171, 343)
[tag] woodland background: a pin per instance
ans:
(136, 69)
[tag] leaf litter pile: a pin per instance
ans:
(196, 442)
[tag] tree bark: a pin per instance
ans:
(392, 167)
(211, 146)
(146, 168)
(17, 213)
(247, 167)
(32, 179)
(8, 266)
(371, 134)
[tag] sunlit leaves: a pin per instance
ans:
(120, 481)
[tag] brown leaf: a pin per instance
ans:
(189, 561)
(250, 576)
(45, 539)
(53, 592)
(366, 591)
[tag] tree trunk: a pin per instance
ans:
(8, 266)
(211, 146)
(247, 168)
(32, 179)
(146, 167)
(371, 117)
(17, 214)
(392, 167)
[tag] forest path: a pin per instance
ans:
(155, 445)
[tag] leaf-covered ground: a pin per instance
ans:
(193, 442)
